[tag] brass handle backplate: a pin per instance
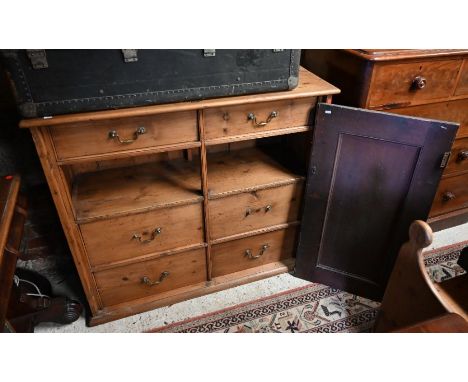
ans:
(447, 196)
(252, 117)
(154, 233)
(114, 134)
(419, 82)
(249, 254)
(250, 211)
(146, 280)
(462, 155)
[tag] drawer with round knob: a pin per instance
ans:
(238, 255)
(458, 161)
(129, 237)
(153, 277)
(404, 84)
(451, 195)
(265, 117)
(253, 210)
(453, 111)
(83, 139)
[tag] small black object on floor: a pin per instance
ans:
(31, 302)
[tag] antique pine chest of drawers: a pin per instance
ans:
(167, 202)
(423, 83)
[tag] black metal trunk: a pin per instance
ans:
(51, 82)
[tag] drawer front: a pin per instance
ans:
(253, 118)
(152, 277)
(459, 157)
(462, 87)
(130, 236)
(413, 83)
(94, 138)
(453, 111)
(253, 210)
(451, 195)
(250, 252)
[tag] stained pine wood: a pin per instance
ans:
(111, 240)
(129, 161)
(392, 83)
(134, 189)
(309, 86)
(253, 210)
(107, 189)
(254, 232)
(195, 290)
(204, 183)
(257, 134)
(249, 170)
(60, 191)
(162, 129)
(123, 284)
(451, 195)
(232, 256)
(134, 153)
(231, 121)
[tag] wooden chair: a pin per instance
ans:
(412, 298)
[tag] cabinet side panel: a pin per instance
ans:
(62, 199)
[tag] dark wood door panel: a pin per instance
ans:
(371, 174)
(375, 187)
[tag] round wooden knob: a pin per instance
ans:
(419, 82)
(462, 155)
(448, 196)
(420, 234)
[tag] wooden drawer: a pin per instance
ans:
(126, 283)
(451, 195)
(452, 111)
(459, 157)
(237, 255)
(126, 237)
(94, 138)
(394, 84)
(231, 121)
(249, 211)
(462, 87)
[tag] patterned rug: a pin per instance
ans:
(314, 308)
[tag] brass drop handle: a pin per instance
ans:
(249, 254)
(154, 233)
(139, 131)
(146, 280)
(252, 117)
(419, 82)
(447, 196)
(462, 155)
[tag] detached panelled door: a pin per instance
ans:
(370, 175)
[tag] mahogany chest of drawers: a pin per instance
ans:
(424, 83)
(168, 202)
